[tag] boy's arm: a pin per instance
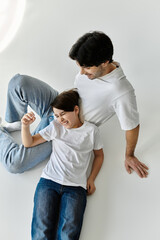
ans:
(97, 163)
(27, 139)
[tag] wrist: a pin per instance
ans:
(129, 155)
(129, 152)
(24, 126)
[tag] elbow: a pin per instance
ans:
(101, 156)
(26, 145)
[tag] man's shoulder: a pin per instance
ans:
(80, 76)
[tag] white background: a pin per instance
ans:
(124, 206)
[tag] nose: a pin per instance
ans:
(82, 71)
(61, 119)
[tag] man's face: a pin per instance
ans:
(92, 72)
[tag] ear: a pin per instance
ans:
(76, 109)
(105, 63)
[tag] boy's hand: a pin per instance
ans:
(28, 119)
(90, 186)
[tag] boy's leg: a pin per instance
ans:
(46, 211)
(16, 158)
(73, 203)
(24, 91)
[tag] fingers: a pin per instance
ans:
(137, 166)
(128, 169)
(90, 189)
(141, 170)
(143, 165)
(28, 118)
(90, 192)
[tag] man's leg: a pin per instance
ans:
(24, 91)
(46, 210)
(73, 203)
(16, 158)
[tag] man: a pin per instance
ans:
(104, 91)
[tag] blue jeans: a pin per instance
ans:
(58, 211)
(23, 91)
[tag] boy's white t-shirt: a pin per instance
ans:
(108, 95)
(71, 152)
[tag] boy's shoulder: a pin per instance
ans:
(90, 125)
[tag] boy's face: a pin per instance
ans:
(93, 72)
(67, 119)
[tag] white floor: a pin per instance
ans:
(124, 207)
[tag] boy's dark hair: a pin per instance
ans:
(66, 100)
(92, 49)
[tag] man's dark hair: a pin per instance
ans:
(66, 100)
(92, 49)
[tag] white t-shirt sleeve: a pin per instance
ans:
(97, 140)
(48, 132)
(126, 110)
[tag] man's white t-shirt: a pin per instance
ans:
(108, 95)
(71, 152)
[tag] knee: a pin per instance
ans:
(15, 168)
(17, 80)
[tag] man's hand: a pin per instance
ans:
(133, 164)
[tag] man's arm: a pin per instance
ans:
(131, 162)
(97, 163)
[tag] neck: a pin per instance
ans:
(109, 68)
(78, 124)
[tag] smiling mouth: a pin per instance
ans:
(64, 123)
